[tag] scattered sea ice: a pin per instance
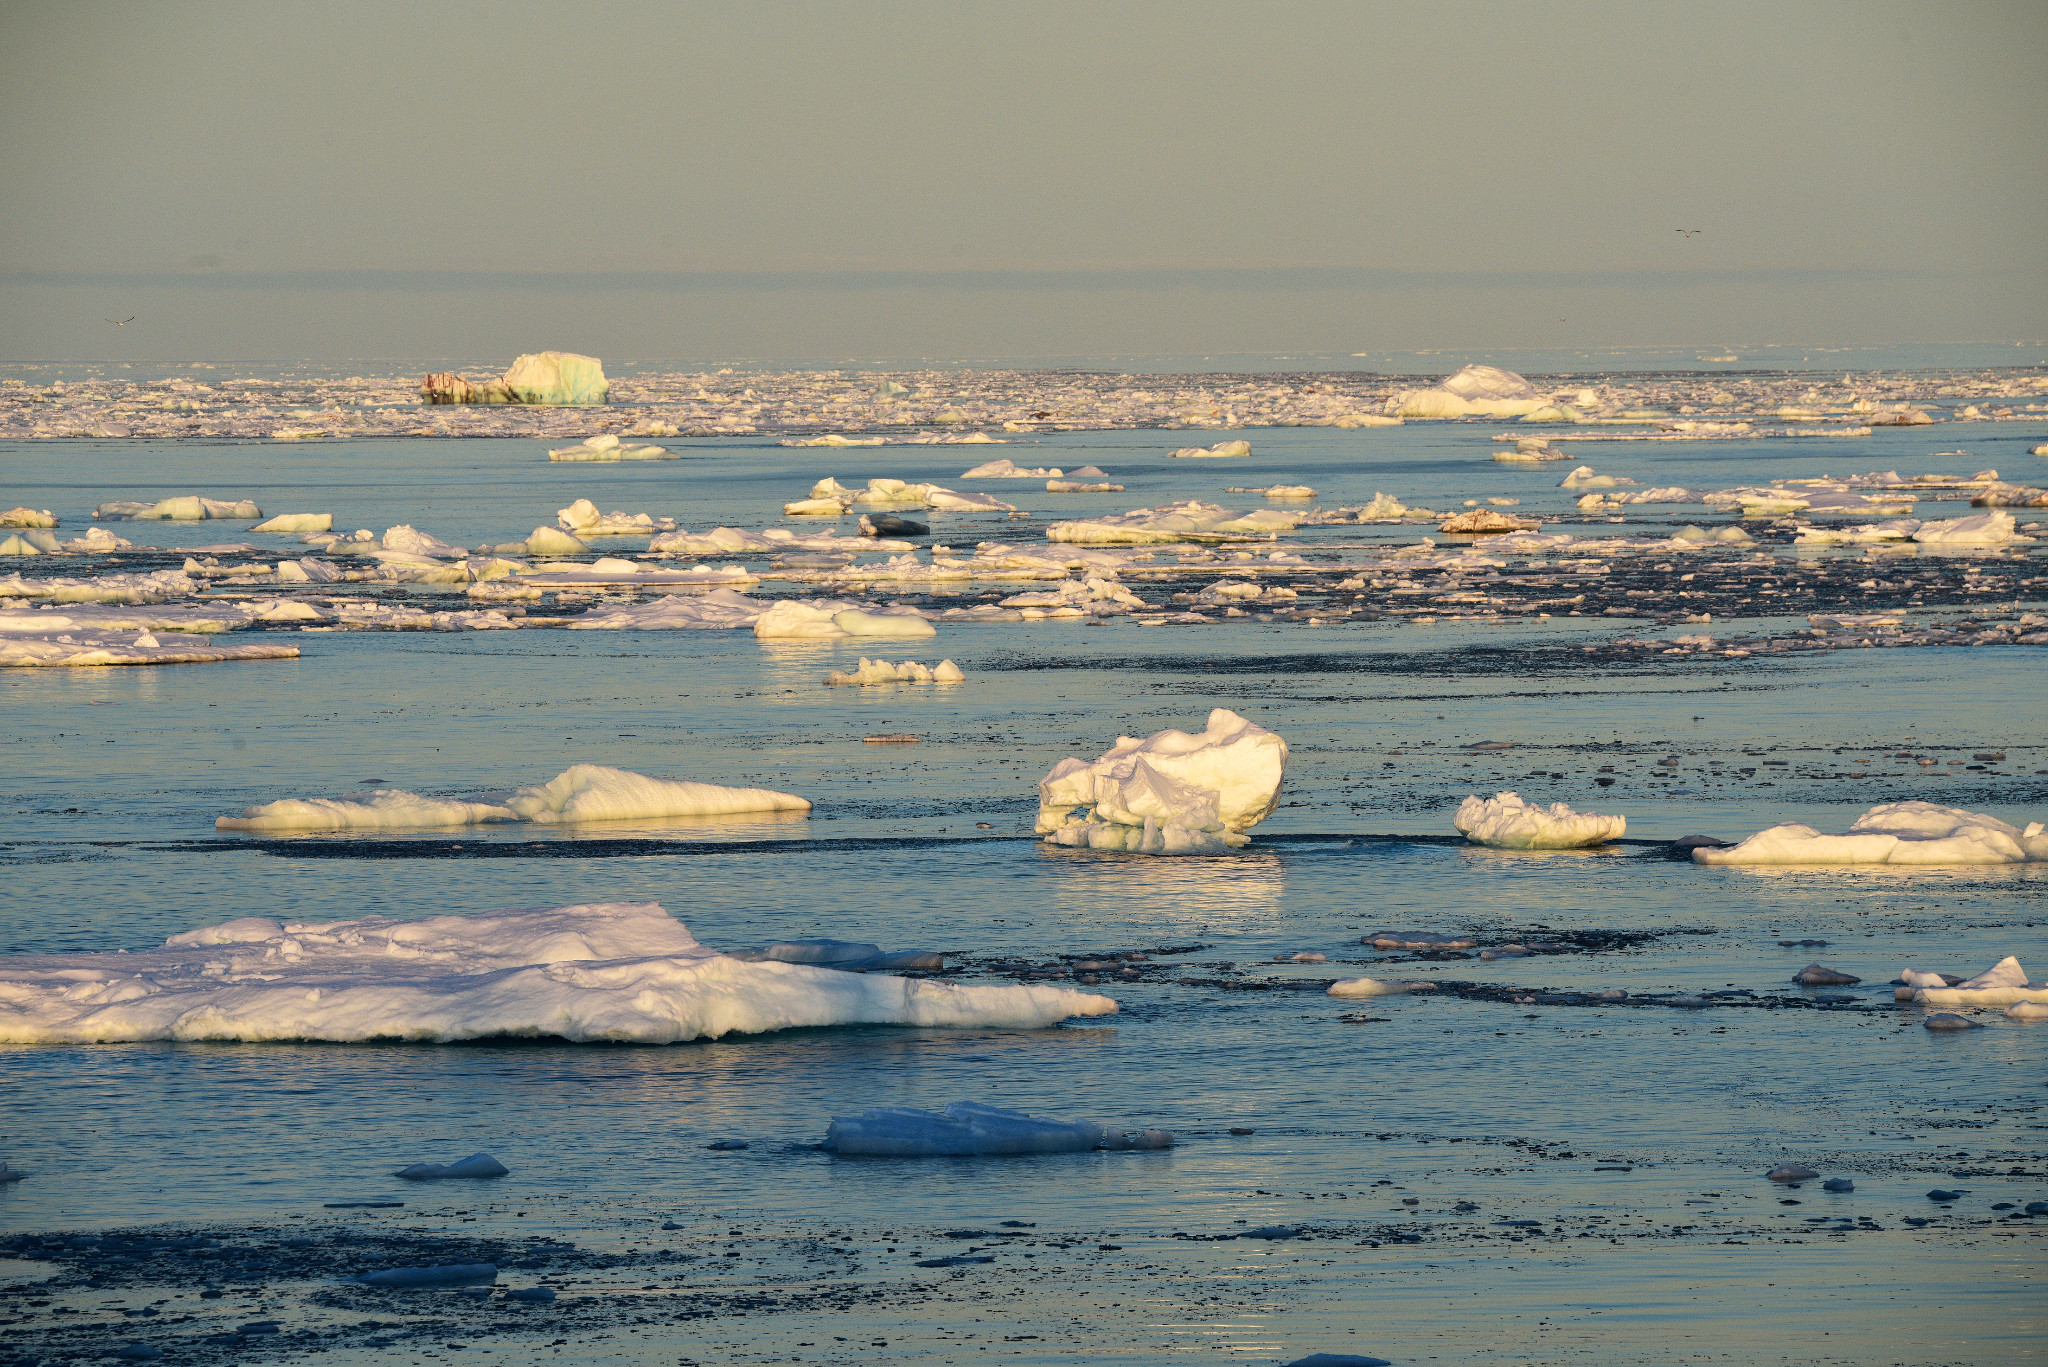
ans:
(476, 1165)
(297, 522)
(1893, 833)
(1505, 821)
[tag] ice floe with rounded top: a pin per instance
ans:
(385, 809)
(585, 793)
(1995, 528)
(870, 672)
(605, 972)
(183, 508)
(968, 1128)
(1505, 821)
(582, 519)
(40, 517)
(1893, 833)
(296, 522)
(1475, 391)
(607, 447)
(1222, 450)
(1171, 792)
(1376, 987)
(1008, 469)
(717, 609)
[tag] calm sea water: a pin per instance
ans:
(116, 775)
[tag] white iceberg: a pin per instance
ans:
(1222, 450)
(1007, 469)
(2003, 984)
(1994, 528)
(595, 792)
(185, 508)
(1892, 833)
(872, 672)
(297, 522)
(1170, 793)
(1506, 822)
(385, 809)
(546, 377)
(582, 518)
(1476, 391)
(1191, 520)
(607, 448)
(967, 1128)
(719, 609)
(43, 517)
(606, 972)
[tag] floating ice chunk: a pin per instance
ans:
(607, 447)
(1815, 975)
(719, 609)
(549, 541)
(539, 1295)
(2003, 984)
(1893, 833)
(1375, 987)
(2028, 1011)
(187, 508)
(546, 377)
(1505, 821)
(1171, 792)
(40, 517)
(477, 1165)
(836, 440)
(595, 792)
(1584, 478)
(1222, 450)
(1791, 1172)
(91, 649)
(297, 522)
(856, 623)
(28, 543)
(450, 1274)
(582, 518)
(791, 619)
(1730, 535)
(617, 972)
(1487, 522)
(1073, 486)
(1189, 521)
(386, 809)
(1994, 528)
(910, 671)
(1008, 469)
(1913, 977)
(950, 501)
(409, 540)
(1948, 1020)
(1475, 391)
(963, 1128)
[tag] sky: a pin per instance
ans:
(1014, 180)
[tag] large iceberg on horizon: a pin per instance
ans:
(1893, 833)
(619, 972)
(1506, 822)
(1477, 391)
(1170, 793)
(546, 377)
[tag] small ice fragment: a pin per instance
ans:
(964, 1127)
(1949, 1020)
(1838, 1184)
(297, 522)
(1791, 1172)
(1814, 975)
(1222, 450)
(1944, 1194)
(1375, 987)
(1505, 821)
(452, 1274)
(476, 1165)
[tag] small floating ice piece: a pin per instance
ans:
(1222, 450)
(1791, 1172)
(1838, 1184)
(872, 672)
(386, 809)
(1814, 975)
(607, 448)
(1375, 987)
(1486, 522)
(1505, 821)
(1949, 1020)
(297, 522)
(1007, 469)
(451, 1274)
(963, 1128)
(477, 1165)
(594, 792)
(535, 1295)
(856, 623)
(1893, 833)
(2019, 1011)
(1171, 792)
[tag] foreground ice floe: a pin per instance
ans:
(581, 793)
(965, 1128)
(910, 671)
(1375, 987)
(184, 508)
(1191, 520)
(83, 649)
(625, 972)
(547, 377)
(2003, 984)
(1893, 833)
(1170, 793)
(1506, 822)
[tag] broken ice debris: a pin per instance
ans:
(547, 377)
(476, 1165)
(1505, 821)
(1893, 833)
(1170, 793)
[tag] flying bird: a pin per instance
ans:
(123, 322)
(1687, 232)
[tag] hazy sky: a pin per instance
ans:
(272, 181)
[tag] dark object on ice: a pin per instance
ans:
(476, 1165)
(1242, 1129)
(1944, 1194)
(888, 524)
(1949, 1020)
(1020, 1224)
(1700, 842)
(727, 1145)
(1339, 1360)
(1838, 1184)
(1272, 1232)
(453, 1274)
(957, 1260)
(1791, 1172)
(1814, 975)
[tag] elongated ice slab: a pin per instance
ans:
(605, 448)
(2003, 984)
(386, 809)
(1169, 793)
(477, 1165)
(626, 971)
(1893, 833)
(1506, 822)
(546, 377)
(967, 1128)
(1375, 987)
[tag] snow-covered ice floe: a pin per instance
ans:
(43, 517)
(1477, 391)
(1995, 528)
(1191, 520)
(967, 1128)
(831, 620)
(830, 498)
(579, 794)
(719, 609)
(1893, 833)
(1375, 987)
(296, 522)
(546, 377)
(1506, 822)
(1170, 793)
(910, 671)
(583, 519)
(85, 649)
(607, 448)
(2003, 984)
(185, 508)
(1222, 450)
(1008, 469)
(625, 972)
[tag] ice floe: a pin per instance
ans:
(39, 517)
(1506, 822)
(87, 649)
(624, 972)
(1169, 793)
(967, 1128)
(1191, 520)
(296, 522)
(1486, 522)
(2003, 984)
(1893, 833)
(910, 671)
(183, 508)
(385, 809)
(717, 609)
(546, 377)
(1222, 450)
(1995, 528)
(1375, 987)
(1008, 469)
(477, 1165)
(607, 447)
(830, 498)
(582, 519)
